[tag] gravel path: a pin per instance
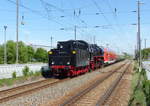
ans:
(54, 92)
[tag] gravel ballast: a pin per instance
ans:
(56, 91)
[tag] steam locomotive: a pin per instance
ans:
(75, 57)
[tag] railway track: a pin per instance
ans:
(9, 94)
(92, 95)
(120, 95)
(112, 87)
(22, 90)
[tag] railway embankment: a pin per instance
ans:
(140, 88)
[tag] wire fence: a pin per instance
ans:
(7, 70)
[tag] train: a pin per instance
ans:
(75, 57)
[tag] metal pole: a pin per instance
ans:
(139, 38)
(145, 43)
(5, 46)
(75, 28)
(17, 28)
(137, 42)
(137, 53)
(94, 40)
(51, 41)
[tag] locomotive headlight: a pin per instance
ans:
(73, 52)
(50, 52)
(68, 63)
(52, 63)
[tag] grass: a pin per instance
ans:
(27, 75)
(135, 80)
(139, 98)
(9, 81)
(139, 91)
(14, 80)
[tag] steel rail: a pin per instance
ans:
(76, 97)
(29, 89)
(12, 93)
(109, 91)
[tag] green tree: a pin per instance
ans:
(145, 53)
(11, 52)
(41, 55)
(30, 54)
(1, 54)
(126, 55)
(23, 57)
(26, 53)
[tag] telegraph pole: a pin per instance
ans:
(51, 41)
(5, 46)
(94, 39)
(145, 43)
(75, 32)
(139, 36)
(17, 28)
(137, 53)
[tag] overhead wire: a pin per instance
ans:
(53, 6)
(116, 19)
(100, 10)
(114, 16)
(79, 18)
(47, 5)
(60, 11)
(35, 12)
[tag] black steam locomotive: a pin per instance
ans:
(72, 58)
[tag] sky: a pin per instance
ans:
(45, 18)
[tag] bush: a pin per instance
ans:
(25, 71)
(14, 75)
(31, 73)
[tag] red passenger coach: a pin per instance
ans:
(109, 56)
